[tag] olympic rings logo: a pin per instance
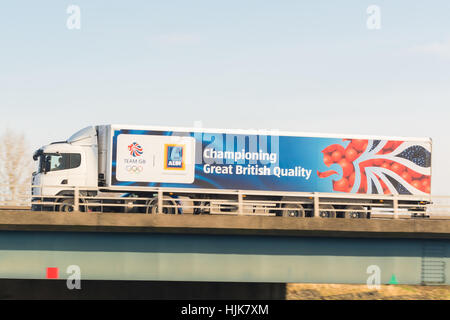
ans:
(134, 169)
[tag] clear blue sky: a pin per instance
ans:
(288, 65)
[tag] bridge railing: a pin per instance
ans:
(227, 202)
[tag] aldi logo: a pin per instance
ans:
(174, 157)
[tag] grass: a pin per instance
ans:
(299, 291)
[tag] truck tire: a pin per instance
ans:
(199, 207)
(66, 205)
(293, 210)
(326, 211)
(152, 207)
(357, 212)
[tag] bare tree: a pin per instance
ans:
(15, 167)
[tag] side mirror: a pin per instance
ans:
(37, 154)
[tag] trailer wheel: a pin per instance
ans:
(293, 210)
(152, 207)
(357, 212)
(326, 211)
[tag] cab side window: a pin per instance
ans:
(57, 162)
(75, 160)
(63, 161)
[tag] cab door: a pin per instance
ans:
(62, 171)
(53, 177)
(75, 165)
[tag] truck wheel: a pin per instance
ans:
(66, 205)
(293, 210)
(201, 210)
(326, 211)
(152, 207)
(357, 212)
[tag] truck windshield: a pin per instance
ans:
(59, 161)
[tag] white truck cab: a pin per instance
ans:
(61, 166)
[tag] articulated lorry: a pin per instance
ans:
(136, 169)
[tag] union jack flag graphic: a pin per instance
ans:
(379, 167)
(135, 149)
